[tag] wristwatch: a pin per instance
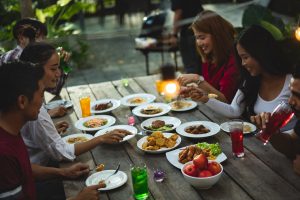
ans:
(200, 80)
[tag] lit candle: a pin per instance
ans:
(297, 33)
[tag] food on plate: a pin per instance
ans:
(159, 125)
(94, 123)
(73, 140)
(102, 184)
(151, 110)
(157, 140)
(177, 105)
(99, 167)
(136, 100)
(211, 151)
(198, 129)
(103, 106)
(247, 128)
(210, 169)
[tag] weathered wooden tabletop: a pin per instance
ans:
(262, 174)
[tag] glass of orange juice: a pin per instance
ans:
(85, 104)
(159, 87)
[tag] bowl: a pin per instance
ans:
(202, 182)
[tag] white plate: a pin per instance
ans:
(172, 157)
(56, 103)
(148, 98)
(192, 106)
(131, 129)
(110, 121)
(161, 150)
(225, 127)
(87, 136)
(115, 104)
(168, 120)
(113, 182)
(165, 109)
(213, 127)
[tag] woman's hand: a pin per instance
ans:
(114, 136)
(194, 93)
(75, 171)
(185, 79)
(62, 126)
(261, 119)
(58, 111)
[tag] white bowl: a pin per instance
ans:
(202, 183)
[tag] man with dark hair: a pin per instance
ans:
(287, 143)
(25, 31)
(22, 96)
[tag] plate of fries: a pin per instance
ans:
(159, 142)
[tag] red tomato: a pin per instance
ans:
(214, 168)
(190, 170)
(200, 161)
(204, 173)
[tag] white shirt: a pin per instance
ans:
(43, 141)
(11, 55)
(236, 108)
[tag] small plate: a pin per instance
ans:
(113, 182)
(87, 136)
(144, 97)
(131, 129)
(110, 121)
(172, 157)
(161, 150)
(192, 105)
(165, 109)
(225, 127)
(168, 120)
(115, 104)
(56, 103)
(213, 127)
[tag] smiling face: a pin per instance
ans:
(294, 99)
(251, 65)
(52, 71)
(204, 41)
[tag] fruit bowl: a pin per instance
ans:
(202, 182)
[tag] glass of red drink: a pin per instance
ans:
(281, 115)
(237, 136)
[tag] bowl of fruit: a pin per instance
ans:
(201, 173)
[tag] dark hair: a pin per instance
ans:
(261, 46)
(30, 28)
(222, 33)
(37, 52)
(18, 78)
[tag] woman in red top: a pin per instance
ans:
(215, 42)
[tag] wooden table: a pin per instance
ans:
(262, 174)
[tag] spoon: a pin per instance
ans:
(116, 171)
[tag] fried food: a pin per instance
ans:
(157, 141)
(94, 123)
(102, 184)
(189, 153)
(200, 129)
(99, 167)
(158, 124)
(77, 139)
(103, 106)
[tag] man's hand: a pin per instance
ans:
(114, 136)
(296, 164)
(76, 170)
(185, 79)
(58, 111)
(62, 126)
(261, 119)
(89, 193)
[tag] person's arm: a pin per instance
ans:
(211, 90)
(112, 137)
(45, 173)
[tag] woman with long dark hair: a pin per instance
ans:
(265, 76)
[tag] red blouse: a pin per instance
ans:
(224, 78)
